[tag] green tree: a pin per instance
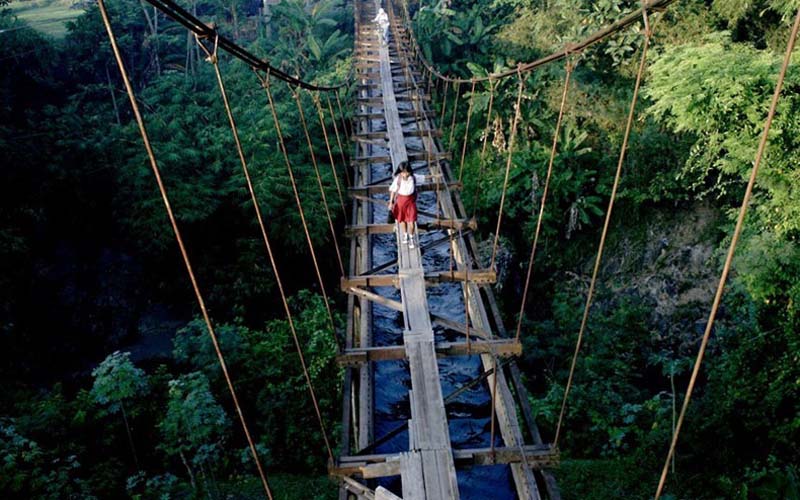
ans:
(117, 382)
(195, 425)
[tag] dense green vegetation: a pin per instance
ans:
(710, 76)
(111, 387)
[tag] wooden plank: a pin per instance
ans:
(499, 347)
(401, 114)
(537, 457)
(421, 187)
(408, 133)
(382, 493)
(374, 297)
(457, 224)
(412, 157)
(460, 327)
(411, 476)
(434, 278)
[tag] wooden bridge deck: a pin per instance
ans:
(428, 468)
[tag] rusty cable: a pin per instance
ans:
(598, 259)
(564, 92)
(731, 249)
(179, 239)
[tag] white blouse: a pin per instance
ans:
(405, 187)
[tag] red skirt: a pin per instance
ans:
(405, 208)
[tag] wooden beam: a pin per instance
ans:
(402, 114)
(421, 187)
(406, 133)
(537, 457)
(498, 347)
(377, 101)
(458, 224)
(395, 305)
(427, 246)
(433, 278)
(411, 157)
(460, 327)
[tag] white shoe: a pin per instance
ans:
(405, 238)
(411, 243)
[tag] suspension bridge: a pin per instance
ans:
(390, 92)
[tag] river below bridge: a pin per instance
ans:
(469, 413)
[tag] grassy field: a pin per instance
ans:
(46, 16)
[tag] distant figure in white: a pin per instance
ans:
(383, 22)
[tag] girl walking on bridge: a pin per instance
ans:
(403, 199)
(383, 23)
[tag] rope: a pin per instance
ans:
(444, 101)
(511, 138)
(346, 135)
(566, 50)
(321, 114)
(201, 303)
(202, 30)
(266, 84)
(598, 259)
(455, 115)
(296, 96)
(483, 147)
(214, 60)
(466, 131)
(729, 258)
(341, 149)
(569, 68)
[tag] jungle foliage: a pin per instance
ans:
(709, 79)
(111, 388)
(91, 278)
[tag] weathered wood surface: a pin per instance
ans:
(386, 79)
(431, 278)
(498, 347)
(383, 465)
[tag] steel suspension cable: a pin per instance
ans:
(321, 113)
(296, 95)
(466, 131)
(762, 146)
(179, 239)
(564, 92)
(341, 150)
(512, 137)
(599, 257)
(347, 135)
(212, 57)
(267, 88)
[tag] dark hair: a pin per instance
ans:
(404, 166)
